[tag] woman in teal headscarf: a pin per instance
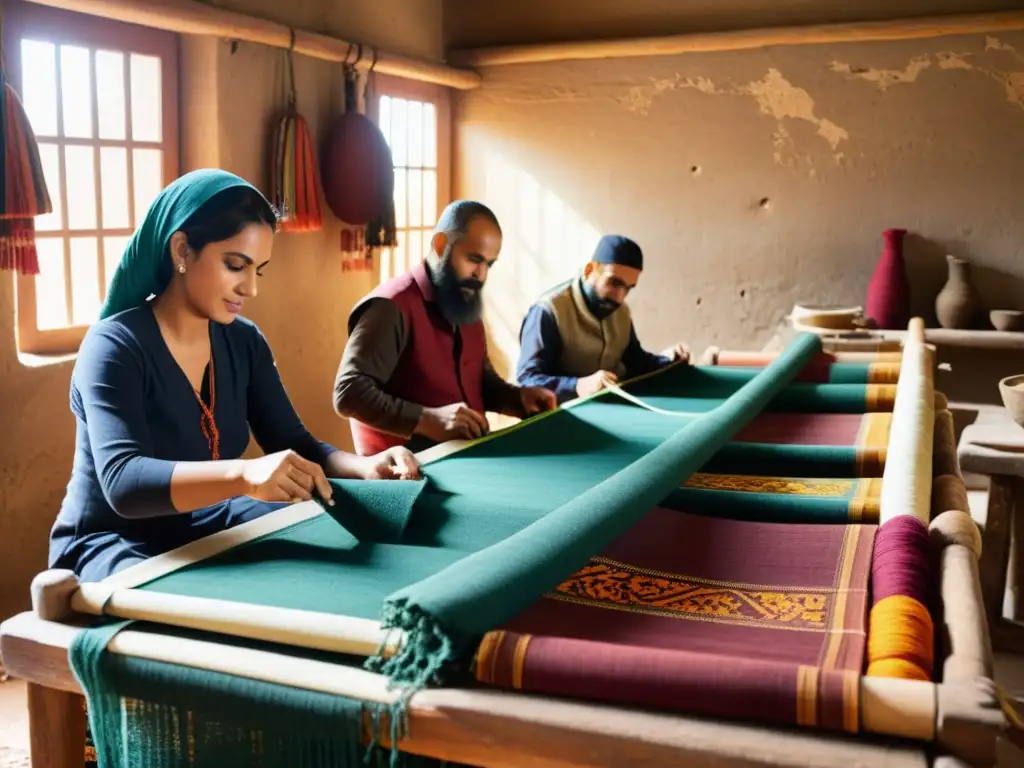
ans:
(165, 391)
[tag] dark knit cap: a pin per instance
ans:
(616, 249)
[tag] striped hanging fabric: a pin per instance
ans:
(25, 195)
(295, 185)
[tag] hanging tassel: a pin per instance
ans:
(296, 184)
(25, 195)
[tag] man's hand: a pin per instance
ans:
(393, 464)
(537, 399)
(680, 351)
(595, 382)
(452, 422)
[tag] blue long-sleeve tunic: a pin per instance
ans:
(137, 415)
(541, 349)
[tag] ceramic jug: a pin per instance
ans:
(958, 303)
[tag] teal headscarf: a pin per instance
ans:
(145, 266)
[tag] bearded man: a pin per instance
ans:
(579, 336)
(415, 370)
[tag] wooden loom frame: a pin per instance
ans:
(961, 714)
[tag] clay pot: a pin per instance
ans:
(1007, 319)
(1012, 391)
(958, 303)
(888, 299)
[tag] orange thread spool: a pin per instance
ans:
(900, 643)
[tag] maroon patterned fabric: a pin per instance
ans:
(803, 429)
(725, 618)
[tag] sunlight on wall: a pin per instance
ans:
(545, 243)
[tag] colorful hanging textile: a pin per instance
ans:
(295, 186)
(25, 195)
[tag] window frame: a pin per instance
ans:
(27, 20)
(440, 97)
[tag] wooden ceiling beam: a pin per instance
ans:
(741, 40)
(194, 18)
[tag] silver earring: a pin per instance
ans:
(181, 269)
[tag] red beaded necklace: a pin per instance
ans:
(207, 423)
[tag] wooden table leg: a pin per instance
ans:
(1015, 577)
(995, 546)
(56, 721)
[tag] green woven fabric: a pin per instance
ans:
(761, 507)
(157, 715)
(444, 614)
(447, 559)
(838, 373)
(770, 459)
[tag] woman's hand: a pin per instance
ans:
(392, 464)
(284, 476)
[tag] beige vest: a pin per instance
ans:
(589, 345)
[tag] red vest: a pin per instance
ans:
(427, 372)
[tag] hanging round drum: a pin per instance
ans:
(355, 166)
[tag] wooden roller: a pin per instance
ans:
(944, 456)
(52, 592)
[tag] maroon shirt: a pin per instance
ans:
(403, 356)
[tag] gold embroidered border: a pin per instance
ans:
(790, 486)
(606, 584)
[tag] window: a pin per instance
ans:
(414, 119)
(102, 100)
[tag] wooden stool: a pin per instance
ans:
(994, 446)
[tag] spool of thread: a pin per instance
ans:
(900, 639)
(901, 562)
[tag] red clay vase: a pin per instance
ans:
(888, 302)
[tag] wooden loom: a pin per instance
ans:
(961, 715)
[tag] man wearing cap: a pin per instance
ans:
(579, 336)
(415, 370)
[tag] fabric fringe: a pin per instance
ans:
(147, 714)
(418, 663)
(25, 194)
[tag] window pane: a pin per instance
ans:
(146, 98)
(39, 86)
(430, 211)
(110, 94)
(49, 156)
(429, 136)
(147, 174)
(415, 133)
(398, 132)
(51, 301)
(113, 248)
(85, 280)
(400, 198)
(114, 180)
(79, 170)
(76, 91)
(384, 116)
(400, 263)
(415, 192)
(417, 249)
